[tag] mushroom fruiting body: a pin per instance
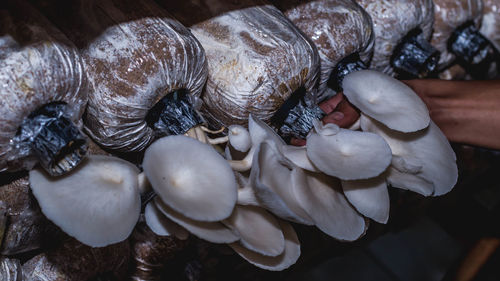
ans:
(387, 100)
(214, 232)
(289, 256)
(258, 230)
(98, 203)
(423, 161)
(346, 154)
(341, 30)
(43, 95)
(191, 177)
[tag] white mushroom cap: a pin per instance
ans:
(272, 181)
(348, 155)
(98, 203)
(239, 138)
(323, 200)
(387, 100)
(258, 230)
(161, 225)
(260, 131)
(214, 232)
(281, 262)
(191, 177)
(420, 158)
(370, 197)
(298, 156)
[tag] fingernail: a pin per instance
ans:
(338, 115)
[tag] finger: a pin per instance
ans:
(329, 105)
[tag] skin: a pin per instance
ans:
(338, 111)
(466, 111)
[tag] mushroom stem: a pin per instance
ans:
(415, 56)
(218, 140)
(244, 164)
(53, 138)
(207, 130)
(144, 185)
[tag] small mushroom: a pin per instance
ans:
(370, 197)
(273, 184)
(162, 226)
(239, 138)
(298, 156)
(386, 100)
(323, 200)
(346, 154)
(424, 161)
(191, 177)
(258, 230)
(98, 203)
(214, 232)
(289, 256)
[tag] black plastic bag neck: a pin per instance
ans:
(414, 56)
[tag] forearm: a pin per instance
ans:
(466, 111)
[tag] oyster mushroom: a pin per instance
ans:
(193, 179)
(43, 97)
(289, 256)
(423, 161)
(258, 230)
(146, 71)
(162, 226)
(346, 154)
(402, 29)
(341, 30)
(214, 232)
(98, 203)
(322, 198)
(387, 100)
(259, 63)
(370, 197)
(10, 269)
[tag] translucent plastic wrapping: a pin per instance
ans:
(256, 58)
(448, 16)
(38, 66)
(339, 28)
(392, 21)
(135, 54)
(490, 26)
(77, 262)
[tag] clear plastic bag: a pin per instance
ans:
(339, 28)
(448, 16)
(392, 21)
(134, 54)
(256, 58)
(490, 26)
(38, 66)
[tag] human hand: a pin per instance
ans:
(339, 111)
